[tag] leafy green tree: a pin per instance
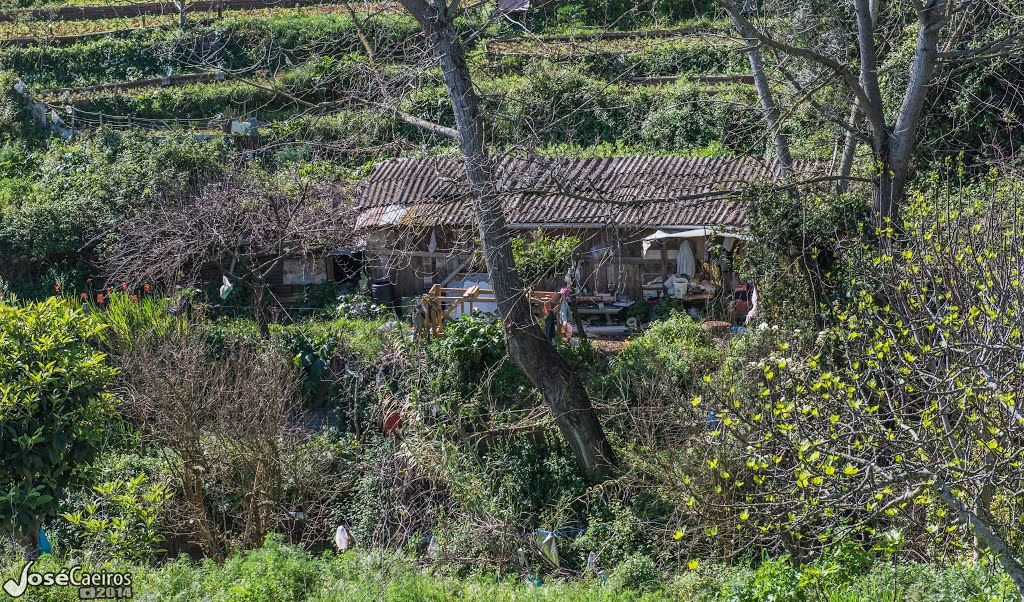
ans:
(543, 256)
(904, 411)
(53, 406)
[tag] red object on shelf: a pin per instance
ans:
(741, 300)
(392, 422)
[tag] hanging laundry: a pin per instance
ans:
(341, 538)
(686, 264)
(226, 287)
(564, 312)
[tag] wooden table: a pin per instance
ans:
(609, 310)
(697, 300)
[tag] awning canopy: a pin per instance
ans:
(705, 232)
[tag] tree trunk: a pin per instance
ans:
(557, 382)
(29, 541)
(902, 139)
(28, 537)
(260, 311)
(849, 151)
(884, 209)
(769, 107)
(893, 141)
(985, 535)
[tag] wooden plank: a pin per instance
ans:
(471, 295)
(456, 302)
(455, 271)
(664, 260)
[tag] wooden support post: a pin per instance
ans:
(664, 267)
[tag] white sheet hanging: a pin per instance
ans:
(686, 264)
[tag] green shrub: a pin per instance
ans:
(616, 534)
(473, 342)
(122, 520)
(543, 256)
(798, 237)
(638, 572)
(272, 572)
(394, 502)
(286, 573)
(705, 583)
(584, 357)
(774, 580)
(53, 408)
(338, 358)
(244, 41)
(561, 104)
(80, 189)
(329, 352)
(638, 57)
(321, 79)
(620, 13)
(680, 126)
(354, 307)
(533, 480)
(361, 129)
(40, 284)
(476, 347)
(130, 320)
(18, 130)
(677, 350)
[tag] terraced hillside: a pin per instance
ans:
(321, 73)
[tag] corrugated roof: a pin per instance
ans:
(539, 190)
(511, 6)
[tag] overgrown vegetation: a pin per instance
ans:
(165, 411)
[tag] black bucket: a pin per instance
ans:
(383, 293)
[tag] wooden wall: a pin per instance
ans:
(404, 258)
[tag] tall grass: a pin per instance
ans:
(131, 320)
(279, 572)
